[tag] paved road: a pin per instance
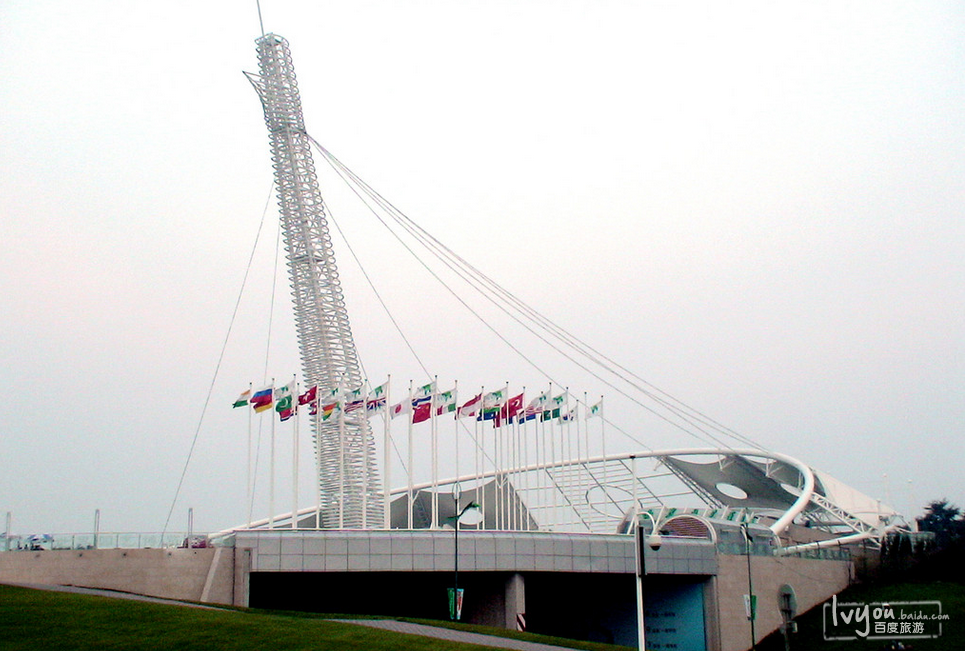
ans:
(455, 636)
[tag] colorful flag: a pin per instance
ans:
(421, 400)
(242, 399)
(470, 408)
(568, 416)
(309, 396)
(375, 404)
(553, 407)
(403, 407)
(328, 410)
(492, 402)
(284, 401)
(424, 391)
(379, 391)
(509, 410)
(445, 402)
(527, 414)
(595, 410)
(422, 412)
(261, 400)
(533, 409)
(354, 405)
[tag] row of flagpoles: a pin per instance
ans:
(423, 403)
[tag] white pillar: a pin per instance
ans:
(516, 603)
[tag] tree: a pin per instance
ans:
(944, 520)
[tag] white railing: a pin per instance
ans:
(101, 540)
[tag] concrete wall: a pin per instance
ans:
(187, 574)
(813, 581)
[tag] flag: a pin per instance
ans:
(284, 401)
(533, 409)
(470, 408)
(509, 410)
(553, 407)
(445, 402)
(375, 404)
(242, 399)
(261, 400)
(422, 412)
(421, 400)
(403, 407)
(328, 410)
(595, 410)
(527, 414)
(354, 405)
(424, 391)
(379, 391)
(492, 402)
(309, 396)
(568, 416)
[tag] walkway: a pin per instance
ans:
(453, 635)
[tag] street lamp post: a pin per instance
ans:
(752, 606)
(454, 606)
(642, 541)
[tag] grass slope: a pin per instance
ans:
(38, 619)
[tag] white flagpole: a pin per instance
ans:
(481, 454)
(606, 483)
(523, 432)
(543, 482)
(435, 453)
(249, 489)
(554, 482)
(409, 469)
(455, 420)
(497, 467)
(271, 472)
(318, 461)
(387, 461)
(566, 447)
(339, 404)
(365, 459)
(294, 403)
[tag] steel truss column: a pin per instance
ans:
(350, 495)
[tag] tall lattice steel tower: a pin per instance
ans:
(347, 474)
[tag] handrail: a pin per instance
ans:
(102, 540)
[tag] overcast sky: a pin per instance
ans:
(754, 206)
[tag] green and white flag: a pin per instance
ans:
(595, 410)
(445, 402)
(424, 391)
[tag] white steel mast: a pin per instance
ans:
(329, 358)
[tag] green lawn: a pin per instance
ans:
(38, 619)
(810, 633)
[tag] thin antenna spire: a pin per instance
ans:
(260, 23)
